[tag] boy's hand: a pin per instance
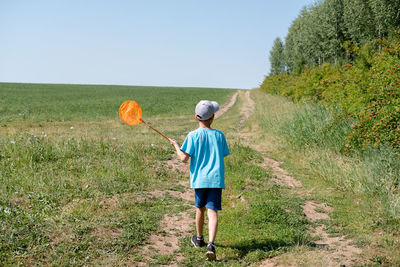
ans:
(174, 142)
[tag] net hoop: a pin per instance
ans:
(130, 112)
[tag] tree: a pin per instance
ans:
(297, 46)
(331, 29)
(319, 32)
(358, 21)
(385, 16)
(276, 57)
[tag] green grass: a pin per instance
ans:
(362, 186)
(76, 190)
(312, 128)
(67, 102)
(313, 125)
(76, 182)
(59, 198)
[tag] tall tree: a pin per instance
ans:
(308, 37)
(331, 29)
(296, 46)
(276, 57)
(318, 32)
(358, 21)
(385, 16)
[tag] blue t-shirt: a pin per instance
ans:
(207, 149)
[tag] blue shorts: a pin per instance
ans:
(208, 197)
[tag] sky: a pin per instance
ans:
(190, 43)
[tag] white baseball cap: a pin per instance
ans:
(205, 109)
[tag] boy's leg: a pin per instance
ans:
(213, 205)
(200, 196)
(200, 220)
(212, 224)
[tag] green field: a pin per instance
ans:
(65, 154)
(76, 182)
(79, 187)
(64, 102)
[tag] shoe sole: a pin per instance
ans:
(210, 256)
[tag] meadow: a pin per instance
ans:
(64, 156)
(63, 102)
(76, 183)
(79, 187)
(363, 186)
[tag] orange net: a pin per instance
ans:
(130, 112)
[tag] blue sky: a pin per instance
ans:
(201, 43)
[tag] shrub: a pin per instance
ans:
(367, 91)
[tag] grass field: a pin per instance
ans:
(77, 185)
(59, 102)
(76, 182)
(71, 171)
(363, 187)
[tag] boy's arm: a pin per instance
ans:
(182, 155)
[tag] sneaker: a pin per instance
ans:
(197, 243)
(210, 254)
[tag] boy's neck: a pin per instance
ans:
(204, 125)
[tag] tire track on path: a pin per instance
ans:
(247, 110)
(166, 240)
(226, 107)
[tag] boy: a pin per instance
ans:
(206, 148)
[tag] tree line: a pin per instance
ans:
(321, 31)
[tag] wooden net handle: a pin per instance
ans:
(155, 129)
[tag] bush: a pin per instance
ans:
(367, 91)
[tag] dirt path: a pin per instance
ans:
(280, 176)
(226, 107)
(166, 242)
(333, 251)
(247, 110)
(336, 250)
(172, 227)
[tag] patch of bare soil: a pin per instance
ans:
(280, 176)
(310, 210)
(272, 262)
(178, 165)
(165, 242)
(338, 249)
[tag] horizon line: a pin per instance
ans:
(105, 84)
